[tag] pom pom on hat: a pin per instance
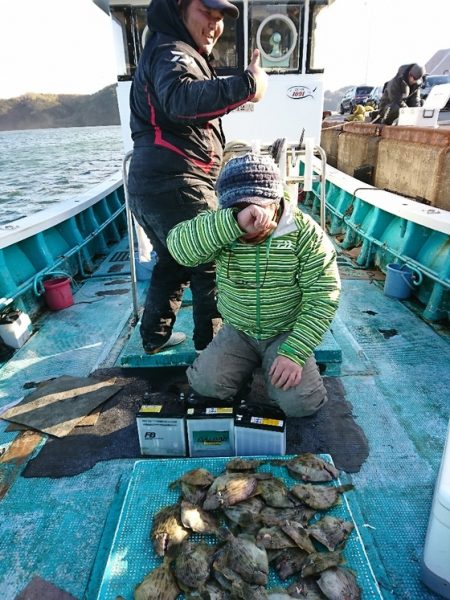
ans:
(250, 179)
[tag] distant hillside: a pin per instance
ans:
(332, 100)
(42, 111)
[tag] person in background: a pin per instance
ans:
(278, 288)
(176, 102)
(402, 90)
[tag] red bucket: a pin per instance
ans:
(58, 293)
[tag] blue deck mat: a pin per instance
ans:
(132, 556)
(403, 408)
(395, 371)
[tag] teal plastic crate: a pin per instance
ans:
(131, 556)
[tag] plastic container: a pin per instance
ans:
(58, 293)
(161, 425)
(210, 428)
(16, 332)
(259, 430)
(436, 554)
(399, 281)
(428, 114)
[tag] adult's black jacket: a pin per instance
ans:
(176, 103)
(397, 92)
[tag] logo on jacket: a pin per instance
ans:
(299, 92)
(284, 245)
(183, 59)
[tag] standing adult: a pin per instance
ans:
(401, 90)
(176, 103)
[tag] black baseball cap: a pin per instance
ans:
(223, 5)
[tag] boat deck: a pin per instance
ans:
(394, 372)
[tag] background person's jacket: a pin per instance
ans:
(290, 282)
(176, 102)
(397, 92)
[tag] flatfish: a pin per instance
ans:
(273, 538)
(195, 518)
(159, 584)
(274, 516)
(210, 591)
(246, 512)
(306, 589)
(167, 529)
(320, 497)
(229, 489)
(244, 464)
(275, 493)
(339, 584)
(289, 562)
(192, 564)
(193, 485)
(309, 467)
(244, 557)
(317, 562)
(331, 531)
(299, 534)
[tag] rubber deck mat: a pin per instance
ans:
(131, 556)
(404, 409)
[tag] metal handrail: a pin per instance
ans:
(125, 161)
(29, 283)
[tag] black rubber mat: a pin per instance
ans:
(331, 430)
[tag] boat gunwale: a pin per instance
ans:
(436, 219)
(17, 231)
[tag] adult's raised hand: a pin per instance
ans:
(261, 77)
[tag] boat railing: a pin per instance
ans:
(75, 232)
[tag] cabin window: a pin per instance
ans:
(274, 31)
(130, 31)
(229, 52)
(312, 64)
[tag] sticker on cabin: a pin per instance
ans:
(299, 92)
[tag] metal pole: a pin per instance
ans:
(323, 157)
(125, 161)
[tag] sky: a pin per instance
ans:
(65, 46)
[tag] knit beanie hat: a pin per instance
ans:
(251, 179)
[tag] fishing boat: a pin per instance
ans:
(76, 502)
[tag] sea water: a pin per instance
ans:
(41, 167)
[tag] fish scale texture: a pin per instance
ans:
(132, 556)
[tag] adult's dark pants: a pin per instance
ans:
(389, 113)
(157, 213)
